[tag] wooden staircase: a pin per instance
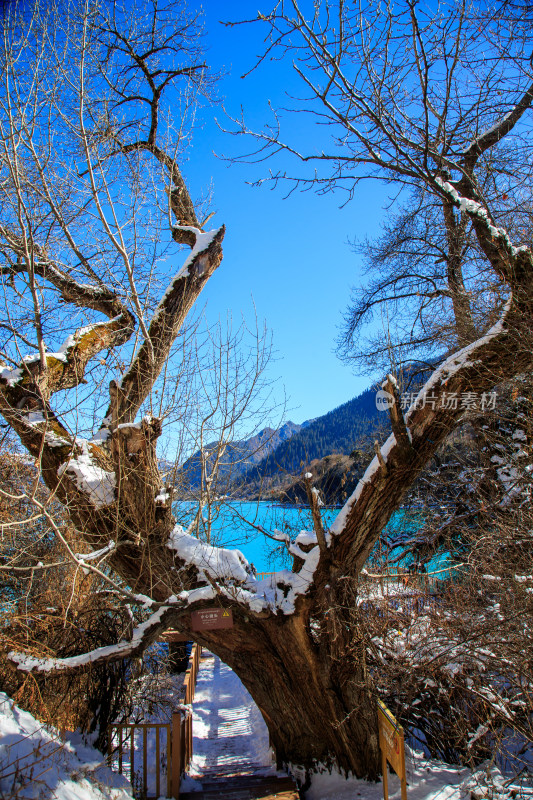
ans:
(246, 785)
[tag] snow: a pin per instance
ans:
(460, 359)
(340, 520)
(34, 418)
(427, 779)
(122, 649)
(96, 554)
(306, 538)
(217, 561)
(203, 241)
(230, 737)
(476, 209)
(228, 728)
(233, 575)
(11, 376)
(282, 589)
(91, 479)
(101, 436)
(74, 338)
(391, 380)
(36, 763)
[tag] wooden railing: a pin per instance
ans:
(123, 738)
(425, 582)
(178, 748)
(260, 576)
(189, 685)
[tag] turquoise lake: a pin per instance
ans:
(233, 526)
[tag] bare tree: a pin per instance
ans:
(428, 291)
(409, 99)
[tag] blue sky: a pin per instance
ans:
(290, 257)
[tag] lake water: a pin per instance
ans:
(236, 525)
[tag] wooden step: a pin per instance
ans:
(244, 787)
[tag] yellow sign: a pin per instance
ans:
(391, 742)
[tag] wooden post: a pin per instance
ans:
(403, 776)
(109, 746)
(157, 762)
(183, 733)
(132, 755)
(145, 760)
(385, 771)
(169, 760)
(176, 756)
(391, 742)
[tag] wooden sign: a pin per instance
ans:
(211, 619)
(391, 742)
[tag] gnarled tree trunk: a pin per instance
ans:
(298, 640)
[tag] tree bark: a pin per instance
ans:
(308, 677)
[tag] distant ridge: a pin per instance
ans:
(338, 431)
(240, 456)
(272, 456)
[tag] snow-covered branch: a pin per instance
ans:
(169, 317)
(143, 635)
(476, 368)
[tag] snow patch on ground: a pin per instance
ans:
(426, 780)
(228, 728)
(36, 763)
(230, 736)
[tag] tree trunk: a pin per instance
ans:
(307, 673)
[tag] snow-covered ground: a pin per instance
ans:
(229, 733)
(230, 736)
(426, 780)
(35, 763)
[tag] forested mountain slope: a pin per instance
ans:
(338, 431)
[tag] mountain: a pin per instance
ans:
(339, 431)
(269, 463)
(239, 457)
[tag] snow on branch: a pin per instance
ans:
(180, 296)
(202, 243)
(95, 482)
(230, 575)
(479, 365)
(217, 562)
(463, 358)
(65, 368)
(479, 212)
(143, 635)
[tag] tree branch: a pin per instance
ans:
(476, 368)
(166, 323)
(142, 637)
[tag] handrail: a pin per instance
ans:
(179, 737)
(182, 738)
(129, 728)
